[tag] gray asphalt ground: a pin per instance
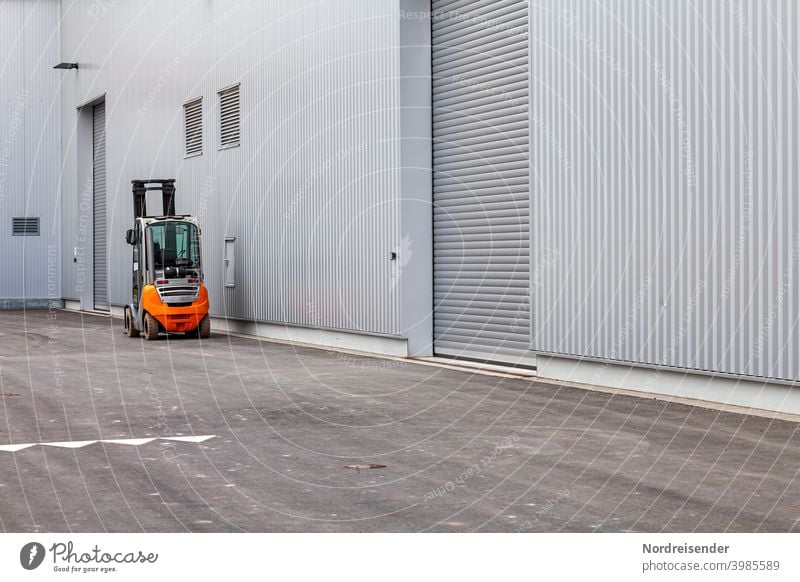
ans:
(463, 452)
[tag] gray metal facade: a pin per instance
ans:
(480, 187)
(30, 266)
(313, 195)
(664, 183)
(612, 180)
(99, 195)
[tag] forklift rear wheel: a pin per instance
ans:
(150, 327)
(204, 329)
(129, 329)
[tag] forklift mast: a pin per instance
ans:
(142, 187)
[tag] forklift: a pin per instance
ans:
(168, 291)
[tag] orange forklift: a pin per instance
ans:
(168, 291)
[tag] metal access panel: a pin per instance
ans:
(481, 180)
(229, 267)
(100, 227)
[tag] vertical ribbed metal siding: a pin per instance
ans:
(100, 224)
(664, 140)
(480, 192)
(311, 194)
(29, 148)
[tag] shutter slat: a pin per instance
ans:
(100, 214)
(481, 179)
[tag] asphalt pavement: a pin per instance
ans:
(236, 434)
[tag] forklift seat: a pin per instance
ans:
(158, 257)
(170, 256)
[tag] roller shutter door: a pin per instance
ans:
(99, 200)
(481, 184)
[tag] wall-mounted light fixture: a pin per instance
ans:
(66, 66)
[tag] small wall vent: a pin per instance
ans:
(25, 226)
(229, 117)
(193, 127)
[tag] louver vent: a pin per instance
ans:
(229, 127)
(25, 226)
(193, 127)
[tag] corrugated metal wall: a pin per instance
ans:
(29, 148)
(480, 187)
(312, 193)
(664, 183)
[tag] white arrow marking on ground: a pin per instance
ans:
(14, 448)
(69, 444)
(189, 439)
(134, 442)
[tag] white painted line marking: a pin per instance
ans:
(69, 444)
(189, 439)
(134, 442)
(130, 442)
(14, 448)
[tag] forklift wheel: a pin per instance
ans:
(204, 329)
(129, 329)
(150, 327)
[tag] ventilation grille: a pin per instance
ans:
(193, 127)
(25, 226)
(229, 129)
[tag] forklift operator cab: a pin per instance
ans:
(168, 293)
(176, 246)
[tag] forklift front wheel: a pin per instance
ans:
(150, 327)
(129, 329)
